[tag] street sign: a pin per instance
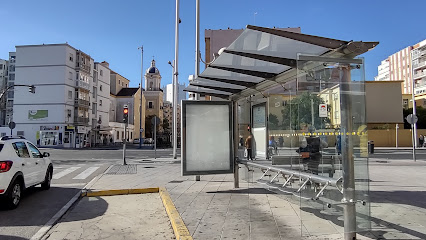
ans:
(141, 129)
(153, 120)
(323, 110)
(12, 125)
(412, 119)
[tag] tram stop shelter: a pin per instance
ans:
(301, 100)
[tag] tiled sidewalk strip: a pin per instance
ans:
(179, 227)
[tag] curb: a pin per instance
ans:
(118, 192)
(179, 227)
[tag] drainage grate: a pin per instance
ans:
(122, 169)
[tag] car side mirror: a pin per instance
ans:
(46, 154)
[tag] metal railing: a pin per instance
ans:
(290, 175)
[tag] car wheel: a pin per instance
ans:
(14, 195)
(47, 180)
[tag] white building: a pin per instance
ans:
(419, 69)
(397, 67)
(60, 113)
(3, 85)
(168, 95)
(383, 71)
(10, 93)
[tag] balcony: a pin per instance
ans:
(419, 75)
(419, 53)
(81, 120)
(419, 65)
(81, 103)
(82, 84)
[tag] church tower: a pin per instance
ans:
(153, 95)
(152, 78)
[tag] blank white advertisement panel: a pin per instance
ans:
(206, 137)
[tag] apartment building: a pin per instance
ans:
(419, 69)
(397, 67)
(10, 81)
(4, 64)
(64, 111)
(168, 93)
(383, 71)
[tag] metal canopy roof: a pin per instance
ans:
(260, 54)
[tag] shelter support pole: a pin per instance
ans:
(349, 200)
(236, 142)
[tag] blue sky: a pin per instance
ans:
(112, 30)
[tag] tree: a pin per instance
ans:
(421, 115)
(273, 123)
(298, 111)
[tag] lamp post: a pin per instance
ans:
(140, 106)
(175, 79)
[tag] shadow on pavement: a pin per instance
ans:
(37, 207)
(86, 208)
(245, 191)
(6, 237)
(413, 198)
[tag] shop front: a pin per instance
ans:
(50, 136)
(69, 137)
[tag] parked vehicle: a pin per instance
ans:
(22, 166)
(136, 141)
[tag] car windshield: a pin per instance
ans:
(1, 146)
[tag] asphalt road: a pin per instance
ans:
(73, 169)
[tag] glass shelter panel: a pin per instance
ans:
(329, 126)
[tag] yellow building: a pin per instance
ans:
(122, 95)
(153, 95)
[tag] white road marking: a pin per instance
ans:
(86, 173)
(65, 172)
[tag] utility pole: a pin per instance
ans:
(140, 107)
(197, 51)
(175, 81)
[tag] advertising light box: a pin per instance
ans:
(206, 137)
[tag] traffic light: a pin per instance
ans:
(126, 114)
(31, 89)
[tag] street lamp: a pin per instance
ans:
(140, 107)
(174, 132)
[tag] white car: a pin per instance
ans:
(22, 166)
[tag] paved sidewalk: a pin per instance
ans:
(213, 209)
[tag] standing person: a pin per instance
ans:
(421, 140)
(248, 145)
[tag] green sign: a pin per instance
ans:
(37, 114)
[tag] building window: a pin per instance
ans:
(11, 77)
(131, 135)
(122, 135)
(69, 94)
(70, 75)
(126, 85)
(71, 57)
(100, 88)
(118, 135)
(100, 102)
(150, 105)
(119, 82)
(101, 73)
(68, 113)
